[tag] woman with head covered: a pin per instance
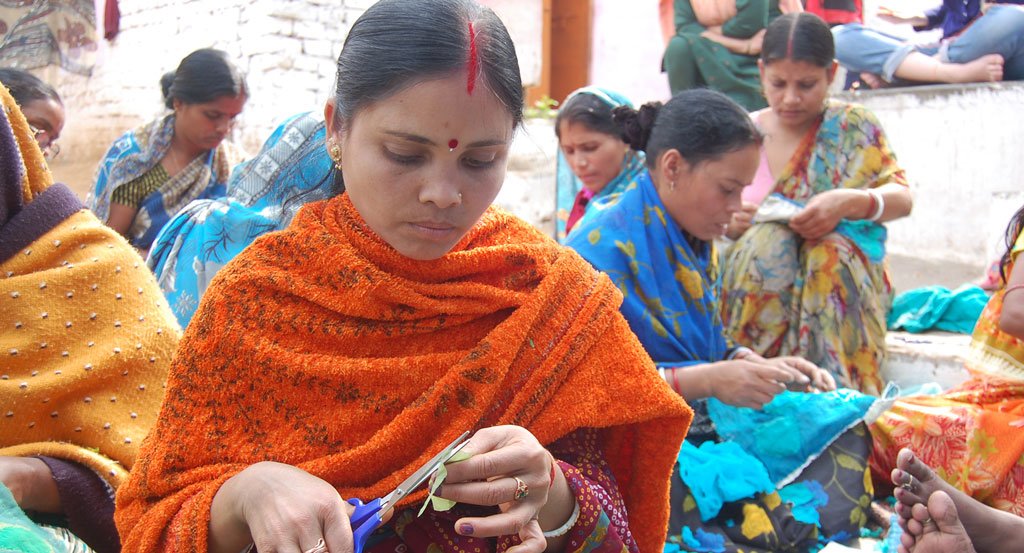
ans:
(86, 339)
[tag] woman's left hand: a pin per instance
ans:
(823, 213)
(501, 455)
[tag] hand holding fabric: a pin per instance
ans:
(741, 220)
(747, 382)
(822, 213)
(805, 376)
(283, 508)
(502, 457)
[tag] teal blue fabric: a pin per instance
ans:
(717, 473)
(18, 532)
(938, 308)
(806, 497)
(791, 429)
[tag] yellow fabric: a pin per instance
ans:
(86, 338)
(993, 351)
(37, 173)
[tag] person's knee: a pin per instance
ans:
(678, 52)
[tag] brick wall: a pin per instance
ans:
(287, 49)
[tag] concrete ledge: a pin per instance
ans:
(914, 359)
(960, 146)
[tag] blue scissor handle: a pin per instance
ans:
(365, 520)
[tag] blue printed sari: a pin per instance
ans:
(568, 186)
(807, 449)
(262, 196)
(139, 150)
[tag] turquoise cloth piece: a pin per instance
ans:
(703, 542)
(805, 497)
(936, 307)
(791, 430)
(717, 473)
(18, 532)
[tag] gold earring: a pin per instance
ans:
(334, 151)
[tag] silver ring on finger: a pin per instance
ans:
(909, 485)
(320, 547)
(522, 490)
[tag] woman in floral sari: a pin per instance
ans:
(971, 435)
(593, 161)
(152, 172)
(807, 277)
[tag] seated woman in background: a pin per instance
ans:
(717, 43)
(702, 150)
(86, 338)
(41, 106)
(263, 194)
(593, 161)
(813, 283)
(971, 434)
(152, 172)
(978, 45)
(278, 410)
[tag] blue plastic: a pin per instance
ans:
(364, 520)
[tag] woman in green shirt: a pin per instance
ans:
(710, 52)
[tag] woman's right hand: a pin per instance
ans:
(745, 383)
(279, 508)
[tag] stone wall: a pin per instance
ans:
(960, 146)
(286, 48)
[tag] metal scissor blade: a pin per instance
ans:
(421, 475)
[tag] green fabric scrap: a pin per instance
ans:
(439, 503)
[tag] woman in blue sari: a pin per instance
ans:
(152, 172)
(593, 161)
(655, 241)
(263, 195)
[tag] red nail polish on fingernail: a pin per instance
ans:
(466, 529)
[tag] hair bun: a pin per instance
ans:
(165, 85)
(636, 125)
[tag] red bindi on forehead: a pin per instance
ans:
(472, 63)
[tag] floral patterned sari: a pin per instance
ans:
(972, 434)
(823, 300)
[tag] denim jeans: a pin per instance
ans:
(999, 31)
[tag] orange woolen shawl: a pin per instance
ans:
(322, 347)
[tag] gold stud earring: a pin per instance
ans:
(334, 151)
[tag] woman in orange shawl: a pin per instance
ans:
(86, 338)
(329, 360)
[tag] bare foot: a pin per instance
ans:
(935, 528)
(916, 483)
(873, 81)
(984, 69)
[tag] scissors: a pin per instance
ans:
(369, 516)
